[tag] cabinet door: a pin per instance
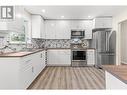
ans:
(74, 25)
(59, 57)
(84, 25)
(36, 64)
(87, 26)
(26, 71)
(42, 56)
(64, 57)
(63, 30)
(102, 23)
(51, 57)
(90, 57)
(88, 36)
(27, 77)
(36, 26)
(42, 25)
(50, 28)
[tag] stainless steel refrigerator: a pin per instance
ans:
(104, 41)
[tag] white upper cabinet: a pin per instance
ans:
(42, 28)
(87, 26)
(84, 25)
(50, 28)
(102, 22)
(38, 27)
(61, 29)
(57, 29)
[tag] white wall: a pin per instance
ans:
(124, 42)
(116, 26)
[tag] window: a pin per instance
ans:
(17, 37)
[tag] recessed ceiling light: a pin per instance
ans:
(62, 16)
(43, 10)
(89, 16)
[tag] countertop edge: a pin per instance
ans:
(39, 50)
(115, 75)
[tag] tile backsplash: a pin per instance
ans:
(57, 43)
(51, 43)
(38, 43)
(1, 42)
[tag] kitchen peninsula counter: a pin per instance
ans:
(116, 76)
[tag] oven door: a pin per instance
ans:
(78, 55)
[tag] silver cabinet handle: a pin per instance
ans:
(32, 69)
(41, 55)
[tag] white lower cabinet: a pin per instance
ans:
(90, 57)
(38, 58)
(113, 82)
(20, 72)
(26, 71)
(59, 57)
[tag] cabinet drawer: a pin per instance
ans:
(26, 62)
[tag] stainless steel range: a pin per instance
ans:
(78, 54)
(79, 57)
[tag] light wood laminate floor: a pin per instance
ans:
(70, 78)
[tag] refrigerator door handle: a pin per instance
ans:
(106, 46)
(107, 41)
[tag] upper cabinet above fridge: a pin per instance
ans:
(102, 22)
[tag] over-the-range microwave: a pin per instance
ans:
(77, 33)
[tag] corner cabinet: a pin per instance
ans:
(38, 30)
(59, 57)
(23, 70)
(90, 57)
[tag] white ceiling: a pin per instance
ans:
(75, 12)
